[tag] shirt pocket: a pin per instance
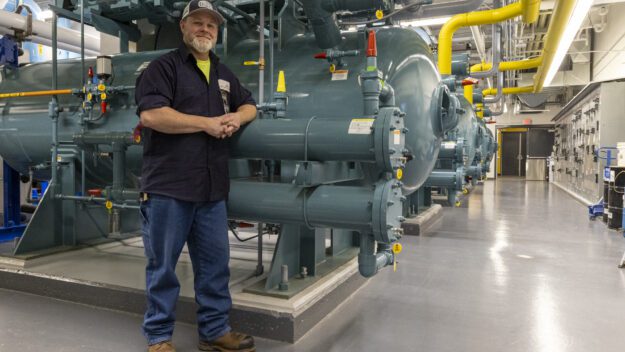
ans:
(191, 99)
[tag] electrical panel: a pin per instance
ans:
(585, 129)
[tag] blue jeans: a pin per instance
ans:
(167, 224)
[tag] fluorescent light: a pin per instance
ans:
(426, 22)
(46, 15)
(575, 22)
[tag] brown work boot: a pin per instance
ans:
(165, 346)
(232, 341)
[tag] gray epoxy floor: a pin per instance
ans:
(519, 268)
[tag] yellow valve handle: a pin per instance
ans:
(465, 191)
(399, 174)
(89, 96)
(108, 205)
(103, 96)
(397, 248)
(250, 63)
(379, 14)
(458, 204)
(101, 87)
(332, 68)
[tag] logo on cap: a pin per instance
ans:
(195, 5)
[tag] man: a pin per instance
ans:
(189, 104)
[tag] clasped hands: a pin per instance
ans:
(223, 126)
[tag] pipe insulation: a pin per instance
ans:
(48, 42)
(43, 30)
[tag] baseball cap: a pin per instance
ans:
(202, 5)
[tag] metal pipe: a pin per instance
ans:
(372, 210)
(42, 29)
(39, 93)
(468, 93)
(449, 8)
(98, 200)
(53, 107)
(445, 36)
(261, 59)
(496, 56)
(559, 20)
(509, 90)
(351, 5)
(82, 41)
(363, 140)
(509, 65)
(280, 20)
(370, 261)
(327, 33)
(48, 42)
(446, 178)
(499, 87)
(271, 48)
(259, 251)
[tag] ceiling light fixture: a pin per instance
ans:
(424, 22)
(575, 22)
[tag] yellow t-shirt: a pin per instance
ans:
(205, 67)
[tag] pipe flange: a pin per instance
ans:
(459, 179)
(445, 110)
(387, 210)
(390, 139)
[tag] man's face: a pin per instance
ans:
(199, 31)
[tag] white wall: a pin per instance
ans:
(510, 118)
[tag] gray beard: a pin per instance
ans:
(201, 46)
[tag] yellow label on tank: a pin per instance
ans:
(400, 174)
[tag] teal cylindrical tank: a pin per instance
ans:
(406, 64)
(403, 58)
(25, 127)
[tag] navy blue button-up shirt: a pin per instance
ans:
(193, 166)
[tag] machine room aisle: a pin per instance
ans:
(522, 269)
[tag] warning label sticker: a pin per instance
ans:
(448, 145)
(340, 75)
(396, 137)
(361, 126)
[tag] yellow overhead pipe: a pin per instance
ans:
(526, 8)
(561, 15)
(479, 110)
(531, 10)
(38, 93)
(510, 90)
(510, 65)
(468, 93)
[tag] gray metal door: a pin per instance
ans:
(513, 153)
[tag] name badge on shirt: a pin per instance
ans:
(224, 88)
